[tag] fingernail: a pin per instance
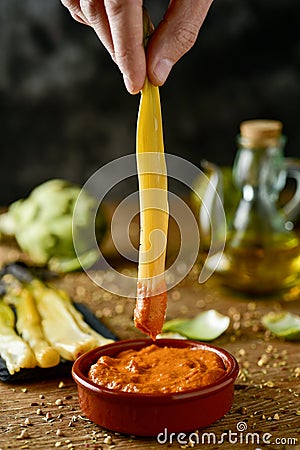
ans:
(128, 84)
(162, 70)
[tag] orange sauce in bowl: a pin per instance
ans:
(158, 370)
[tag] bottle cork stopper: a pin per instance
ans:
(261, 131)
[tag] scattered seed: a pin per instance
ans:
(119, 308)
(243, 374)
(48, 416)
(27, 421)
(59, 432)
(39, 412)
(262, 360)
(80, 291)
(107, 312)
(236, 316)
(251, 306)
(108, 440)
(176, 295)
(23, 435)
(276, 416)
(24, 390)
(61, 385)
(58, 444)
(269, 384)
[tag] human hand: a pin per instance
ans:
(119, 26)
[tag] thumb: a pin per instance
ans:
(174, 36)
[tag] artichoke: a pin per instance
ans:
(42, 225)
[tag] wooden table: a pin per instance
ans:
(45, 414)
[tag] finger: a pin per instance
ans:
(125, 18)
(94, 11)
(174, 36)
(75, 10)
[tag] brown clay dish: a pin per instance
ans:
(149, 414)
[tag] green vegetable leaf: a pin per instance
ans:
(284, 324)
(43, 225)
(206, 326)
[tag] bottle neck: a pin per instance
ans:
(259, 168)
(259, 172)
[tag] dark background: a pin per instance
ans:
(64, 111)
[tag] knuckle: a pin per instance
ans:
(123, 59)
(127, 56)
(74, 9)
(71, 5)
(90, 11)
(118, 10)
(115, 7)
(66, 3)
(185, 36)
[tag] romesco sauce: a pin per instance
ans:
(150, 310)
(158, 370)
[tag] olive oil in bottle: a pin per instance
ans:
(262, 254)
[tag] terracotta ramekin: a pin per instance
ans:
(151, 414)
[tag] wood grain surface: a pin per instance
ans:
(45, 414)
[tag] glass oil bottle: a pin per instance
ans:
(261, 255)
